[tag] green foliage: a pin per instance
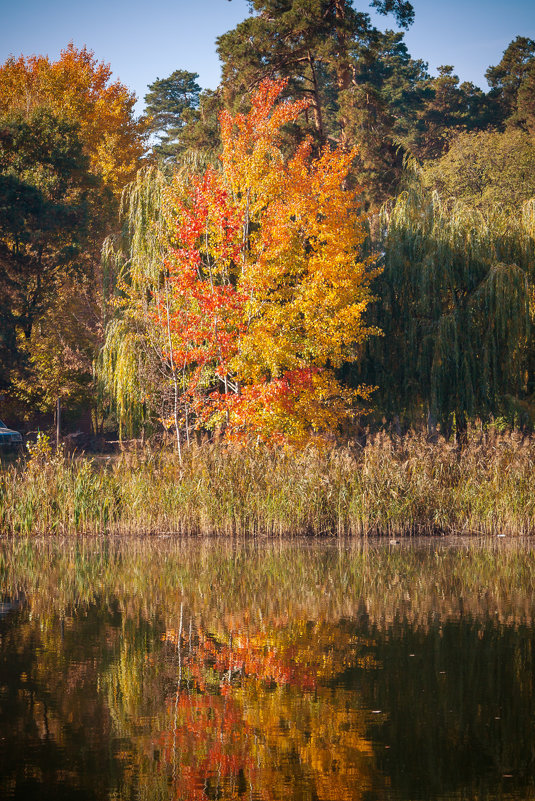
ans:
(170, 104)
(200, 136)
(129, 365)
(507, 77)
(525, 106)
(379, 109)
(486, 170)
(446, 109)
(296, 40)
(455, 308)
(49, 211)
(44, 184)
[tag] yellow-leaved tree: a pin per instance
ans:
(263, 289)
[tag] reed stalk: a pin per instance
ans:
(393, 486)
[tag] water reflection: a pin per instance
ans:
(194, 670)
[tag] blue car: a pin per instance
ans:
(8, 436)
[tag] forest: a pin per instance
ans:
(331, 239)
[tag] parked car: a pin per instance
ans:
(8, 437)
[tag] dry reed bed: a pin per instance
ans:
(392, 486)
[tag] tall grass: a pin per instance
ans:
(392, 486)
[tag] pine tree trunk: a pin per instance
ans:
(343, 68)
(316, 106)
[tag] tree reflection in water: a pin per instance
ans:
(195, 671)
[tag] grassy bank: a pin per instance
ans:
(393, 487)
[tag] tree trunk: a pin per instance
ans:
(343, 68)
(58, 423)
(432, 433)
(316, 107)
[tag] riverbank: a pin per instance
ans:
(393, 486)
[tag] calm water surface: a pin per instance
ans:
(160, 669)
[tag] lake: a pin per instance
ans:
(160, 668)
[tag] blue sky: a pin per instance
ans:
(143, 41)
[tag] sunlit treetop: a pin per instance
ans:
(80, 88)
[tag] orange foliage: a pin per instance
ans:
(213, 741)
(253, 657)
(267, 285)
(79, 87)
(224, 721)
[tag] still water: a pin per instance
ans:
(165, 669)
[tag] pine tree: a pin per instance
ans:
(169, 105)
(311, 44)
(506, 78)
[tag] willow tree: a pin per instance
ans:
(455, 307)
(132, 367)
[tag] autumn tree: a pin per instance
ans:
(79, 88)
(262, 288)
(49, 206)
(68, 144)
(306, 284)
